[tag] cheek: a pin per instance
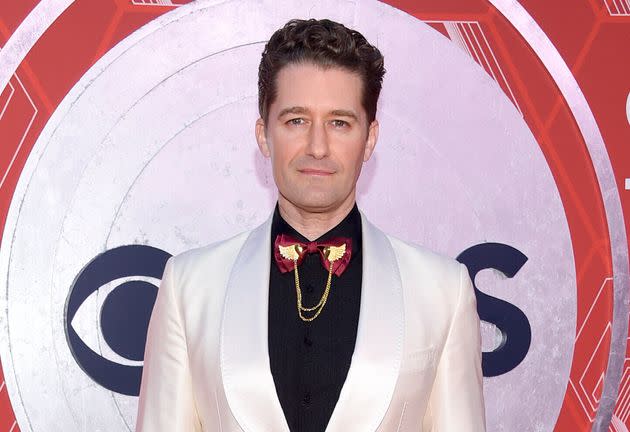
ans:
(282, 157)
(353, 156)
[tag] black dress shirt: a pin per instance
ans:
(310, 360)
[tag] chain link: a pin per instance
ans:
(322, 301)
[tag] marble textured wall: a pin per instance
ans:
(492, 130)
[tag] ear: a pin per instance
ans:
(371, 140)
(261, 138)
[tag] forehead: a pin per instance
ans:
(316, 87)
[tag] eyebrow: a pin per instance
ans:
(345, 113)
(303, 110)
(292, 110)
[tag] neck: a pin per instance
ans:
(312, 224)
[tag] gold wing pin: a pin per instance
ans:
(336, 252)
(289, 252)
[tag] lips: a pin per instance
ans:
(315, 171)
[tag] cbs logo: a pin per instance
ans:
(124, 315)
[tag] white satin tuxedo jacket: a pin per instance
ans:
(416, 364)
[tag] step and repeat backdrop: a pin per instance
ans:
(126, 136)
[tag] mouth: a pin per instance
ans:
(315, 172)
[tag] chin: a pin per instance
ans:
(315, 206)
(314, 203)
(313, 198)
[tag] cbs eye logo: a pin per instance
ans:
(124, 316)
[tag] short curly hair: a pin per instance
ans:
(324, 43)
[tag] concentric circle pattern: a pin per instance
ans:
(126, 136)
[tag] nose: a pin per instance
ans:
(318, 146)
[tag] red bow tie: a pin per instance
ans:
(286, 265)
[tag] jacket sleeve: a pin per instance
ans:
(456, 403)
(166, 401)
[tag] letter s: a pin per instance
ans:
(509, 319)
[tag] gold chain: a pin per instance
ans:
(319, 307)
(332, 253)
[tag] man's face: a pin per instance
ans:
(317, 136)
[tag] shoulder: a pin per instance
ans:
(423, 255)
(207, 257)
(428, 277)
(413, 255)
(195, 280)
(434, 283)
(422, 258)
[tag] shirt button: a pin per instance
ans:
(308, 341)
(309, 288)
(306, 400)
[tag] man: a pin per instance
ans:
(315, 320)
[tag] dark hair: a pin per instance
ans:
(324, 43)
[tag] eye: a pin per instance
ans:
(107, 314)
(298, 121)
(340, 123)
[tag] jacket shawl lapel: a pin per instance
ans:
(369, 386)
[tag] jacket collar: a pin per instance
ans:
(375, 366)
